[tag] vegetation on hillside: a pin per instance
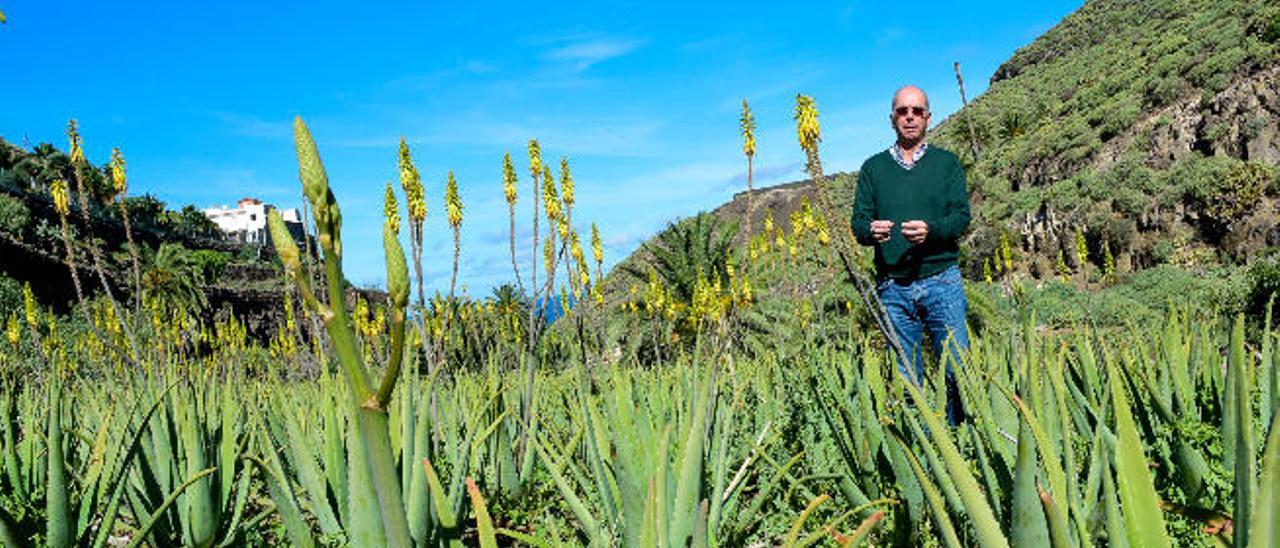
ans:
(1146, 126)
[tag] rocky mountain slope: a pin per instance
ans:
(1150, 129)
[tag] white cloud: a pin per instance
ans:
(583, 52)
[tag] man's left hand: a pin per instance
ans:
(915, 231)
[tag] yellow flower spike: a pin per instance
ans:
(13, 330)
(792, 249)
(411, 182)
(549, 254)
(452, 201)
(566, 182)
(562, 226)
(780, 241)
(746, 291)
(747, 123)
(391, 209)
(807, 129)
(550, 200)
(509, 179)
(575, 248)
(61, 202)
(379, 321)
(797, 225)
(535, 159)
(119, 180)
(824, 235)
(289, 321)
(29, 304)
(597, 246)
(768, 220)
(73, 135)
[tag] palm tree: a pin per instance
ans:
(176, 279)
(686, 250)
(508, 299)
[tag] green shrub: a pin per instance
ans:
(10, 297)
(14, 215)
(1264, 281)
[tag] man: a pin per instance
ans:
(912, 205)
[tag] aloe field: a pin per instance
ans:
(655, 415)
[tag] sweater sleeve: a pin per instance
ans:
(956, 219)
(864, 208)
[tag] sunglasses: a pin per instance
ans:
(902, 111)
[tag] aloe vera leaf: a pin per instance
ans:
(588, 524)
(793, 534)
(484, 523)
(747, 518)
(684, 506)
(91, 489)
(937, 507)
(1058, 534)
(524, 538)
(151, 520)
(286, 504)
(1265, 525)
(444, 511)
(308, 474)
(118, 480)
(1029, 526)
(198, 499)
(1241, 389)
(984, 521)
(7, 527)
(1115, 526)
(238, 506)
(863, 529)
(57, 497)
(700, 536)
(364, 522)
(1144, 523)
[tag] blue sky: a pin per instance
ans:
(641, 97)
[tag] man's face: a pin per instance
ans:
(910, 116)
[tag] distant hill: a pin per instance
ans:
(236, 278)
(1151, 127)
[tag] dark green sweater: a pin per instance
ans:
(933, 191)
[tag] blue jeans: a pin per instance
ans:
(936, 305)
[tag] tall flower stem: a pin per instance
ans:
(810, 134)
(78, 161)
(120, 181)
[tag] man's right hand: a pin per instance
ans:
(880, 230)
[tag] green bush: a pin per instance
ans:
(1264, 281)
(14, 215)
(10, 297)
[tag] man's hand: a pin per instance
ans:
(880, 231)
(915, 231)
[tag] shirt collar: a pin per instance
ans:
(896, 153)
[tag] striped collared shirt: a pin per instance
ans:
(896, 153)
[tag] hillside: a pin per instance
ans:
(226, 277)
(1152, 129)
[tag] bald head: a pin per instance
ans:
(911, 94)
(910, 116)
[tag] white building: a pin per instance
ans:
(247, 222)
